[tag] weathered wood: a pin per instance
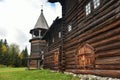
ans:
(108, 60)
(108, 67)
(108, 53)
(108, 47)
(108, 40)
(100, 29)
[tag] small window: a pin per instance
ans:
(69, 28)
(53, 40)
(88, 8)
(59, 34)
(96, 3)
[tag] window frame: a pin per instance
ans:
(69, 27)
(88, 8)
(96, 3)
(59, 34)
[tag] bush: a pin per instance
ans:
(2, 66)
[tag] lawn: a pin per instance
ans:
(24, 74)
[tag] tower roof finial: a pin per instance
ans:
(41, 8)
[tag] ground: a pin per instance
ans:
(24, 74)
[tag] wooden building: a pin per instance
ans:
(53, 38)
(35, 61)
(90, 38)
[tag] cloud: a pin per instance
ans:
(1, 0)
(3, 32)
(18, 17)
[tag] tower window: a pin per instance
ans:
(69, 28)
(96, 3)
(88, 8)
(59, 34)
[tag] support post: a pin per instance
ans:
(39, 33)
(28, 63)
(38, 64)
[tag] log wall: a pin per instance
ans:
(53, 47)
(100, 29)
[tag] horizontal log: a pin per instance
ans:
(70, 63)
(108, 47)
(70, 59)
(70, 66)
(108, 60)
(107, 40)
(105, 35)
(108, 67)
(72, 55)
(94, 23)
(109, 53)
(102, 12)
(96, 33)
(99, 34)
(69, 52)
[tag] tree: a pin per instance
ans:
(5, 43)
(14, 55)
(4, 49)
(1, 51)
(23, 56)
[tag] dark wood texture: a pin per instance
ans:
(53, 55)
(100, 30)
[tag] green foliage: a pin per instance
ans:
(3, 66)
(10, 55)
(23, 56)
(23, 74)
(13, 53)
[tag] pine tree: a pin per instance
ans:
(24, 55)
(1, 51)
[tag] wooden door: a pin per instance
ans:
(86, 58)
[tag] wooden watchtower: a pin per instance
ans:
(37, 44)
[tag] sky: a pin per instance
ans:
(18, 17)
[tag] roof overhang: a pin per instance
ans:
(52, 1)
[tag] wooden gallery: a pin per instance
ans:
(86, 40)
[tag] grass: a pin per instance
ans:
(23, 74)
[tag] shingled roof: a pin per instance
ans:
(41, 22)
